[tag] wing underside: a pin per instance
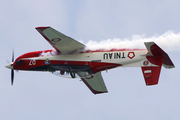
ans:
(59, 41)
(94, 82)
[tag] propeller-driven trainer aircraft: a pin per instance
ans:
(70, 57)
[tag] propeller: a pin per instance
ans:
(11, 66)
(12, 70)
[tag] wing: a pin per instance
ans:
(94, 82)
(59, 41)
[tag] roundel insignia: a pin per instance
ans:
(47, 61)
(145, 62)
(56, 40)
(131, 55)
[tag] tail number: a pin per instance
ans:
(32, 62)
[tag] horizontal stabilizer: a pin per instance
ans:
(155, 50)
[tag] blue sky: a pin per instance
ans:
(41, 95)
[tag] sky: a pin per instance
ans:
(43, 96)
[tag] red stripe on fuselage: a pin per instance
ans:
(34, 54)
(95, 66)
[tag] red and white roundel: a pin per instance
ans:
(131, 55)
(56, 40)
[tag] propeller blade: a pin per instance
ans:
(13, 56)
(12, 76)
(12, 71)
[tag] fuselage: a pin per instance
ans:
(98, 60)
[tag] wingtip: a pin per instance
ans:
(42, 27)
(149, 43)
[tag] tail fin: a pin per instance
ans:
(157, 57)
(156, 51)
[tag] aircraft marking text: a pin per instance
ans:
(32, 62)
(113, 55)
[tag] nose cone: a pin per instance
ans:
(10, 66)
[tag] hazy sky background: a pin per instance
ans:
(43, 96)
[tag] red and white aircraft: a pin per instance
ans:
(71, 57)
